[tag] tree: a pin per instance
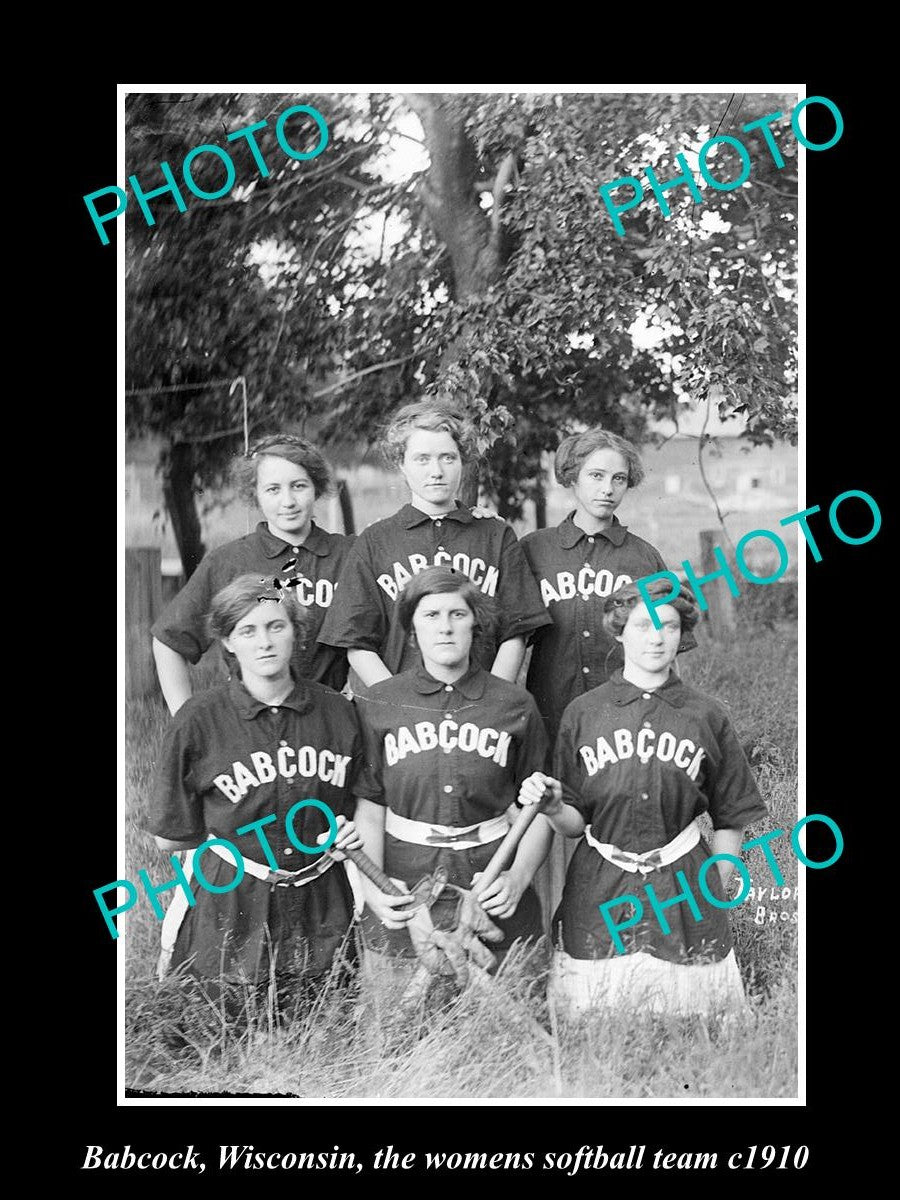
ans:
(493, 275)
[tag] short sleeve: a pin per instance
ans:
(733, 797)
(176, 811)
(535, 745)
(358, 618)
(369, 782)
(520, 607)
(182, 624)
(565, 765)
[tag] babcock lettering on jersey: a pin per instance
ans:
(449, 735)
(290, 762)
(645, 745)
(320, 593)
(394, 581)
(587, 582)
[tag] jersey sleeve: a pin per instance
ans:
(358, 618)
(535, 745)
(182, 624)
(369, 782)
(176, 811)
(733, 797)
(565, 765)
(520, 609)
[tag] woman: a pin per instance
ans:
(235, 762)
(285, 475)
(578, 564)
(637, 761)
(429, 442)
(448, 744)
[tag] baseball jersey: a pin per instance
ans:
(575, 572)
(228, 760)
(182, 624)
(452, 754)
(639, 766)
(385, 557)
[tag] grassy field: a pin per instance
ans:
(497, 1039)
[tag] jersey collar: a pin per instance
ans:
(570, 535)
(410, 516)
(275, 547)
(249, 707)
(471, 685)
(672, 691)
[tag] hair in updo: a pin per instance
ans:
(295, 449)
(434, 415)
(618, 606)
(575, 450)
(243, 594)
(434, 581)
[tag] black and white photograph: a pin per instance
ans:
(464, 533)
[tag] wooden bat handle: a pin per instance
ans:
(504, 852)
(373, 872)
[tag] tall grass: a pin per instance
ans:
(497, 1038)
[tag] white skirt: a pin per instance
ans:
(642, 982)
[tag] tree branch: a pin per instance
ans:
(506, 174)
(384, 366)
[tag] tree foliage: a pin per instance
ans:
(493, 274)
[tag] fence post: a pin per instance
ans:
(143, 601)
(720, 614)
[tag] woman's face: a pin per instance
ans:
(652, 650)
(432, 467)
(262, 641)
(286, 495)
(444, 625)
(601, 484)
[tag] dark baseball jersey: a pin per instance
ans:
(386, 556)
(182, 625)
(452, 754)
(575, 572)
(639, 766)
(228, 760)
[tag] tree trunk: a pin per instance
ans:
(178, 491)
(474, 238)
(346, 504)
(540, 507)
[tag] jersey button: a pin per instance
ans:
(282, 743)
(296, 549)
(585, 670)
(645, 796)
(288, 850)
(646, 724)
(437, 524)
(448, 687)
(274, 710)
(591, 540)
(646, 695)
(448, 787)
(587, 633)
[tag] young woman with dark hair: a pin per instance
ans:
(285, 475)
(240, 763)
(428, 442)
(637, 761)
(447, 745)
(578, 564)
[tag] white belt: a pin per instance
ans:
(261, 871)
(445, 837)
(650, 860)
